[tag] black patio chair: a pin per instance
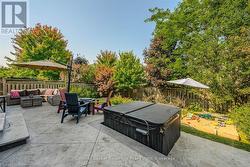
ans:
(73, 107)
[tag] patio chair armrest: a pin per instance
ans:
(84, 105)
(105, 104)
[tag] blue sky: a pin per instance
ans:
(94, 25)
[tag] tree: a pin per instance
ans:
(40, 43)
(80, 64)
(83, 73)
(81, 60)
(14, 72)
(107, 58)
(105, 63)
(104, 79)
(129, 72)
(162, 65)
(211, 38)
(88, 73)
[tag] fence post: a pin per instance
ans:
(4, 86)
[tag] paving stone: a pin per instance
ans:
(2, 121)
(62, 133)
(50, 155)
(15, 130)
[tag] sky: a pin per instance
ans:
(93, 25)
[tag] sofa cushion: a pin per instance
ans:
(42, 91)
(49, 92)
(33, 92)
(56, 92)
(22, 93)
(14, 94)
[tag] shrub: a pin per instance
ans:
(120, 100)
(90, 92)
(241, 116)
(194, 107)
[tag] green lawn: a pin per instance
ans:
(215, 138)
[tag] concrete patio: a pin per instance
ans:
(89, 143)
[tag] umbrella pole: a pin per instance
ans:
(69, 66)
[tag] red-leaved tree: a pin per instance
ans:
(103, 79)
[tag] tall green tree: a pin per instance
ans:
(129, 72)
(107, 58)
(14, 72)
(212, 37)
(40, 43)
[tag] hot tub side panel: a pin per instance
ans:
(170, 135)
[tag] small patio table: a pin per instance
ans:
(91, 105)
(31, 101)
(2, 103)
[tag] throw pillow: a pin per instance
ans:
(49, 92)
(14, 94)
(22, 93)
(56, 92)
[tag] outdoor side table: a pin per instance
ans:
(2, 103)
(91, 105)
(26, 102)
(37, 101)
(31, 101)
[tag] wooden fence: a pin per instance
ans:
(6, 85)
(177, 96)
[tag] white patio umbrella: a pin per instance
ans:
(189, 82)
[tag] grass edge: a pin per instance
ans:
(226, 141)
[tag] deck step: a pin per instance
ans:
(2, 121)
(15, 131)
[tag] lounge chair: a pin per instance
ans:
(63, 99)
(99, 107)
(73, 107)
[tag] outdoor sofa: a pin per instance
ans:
(52, 96)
